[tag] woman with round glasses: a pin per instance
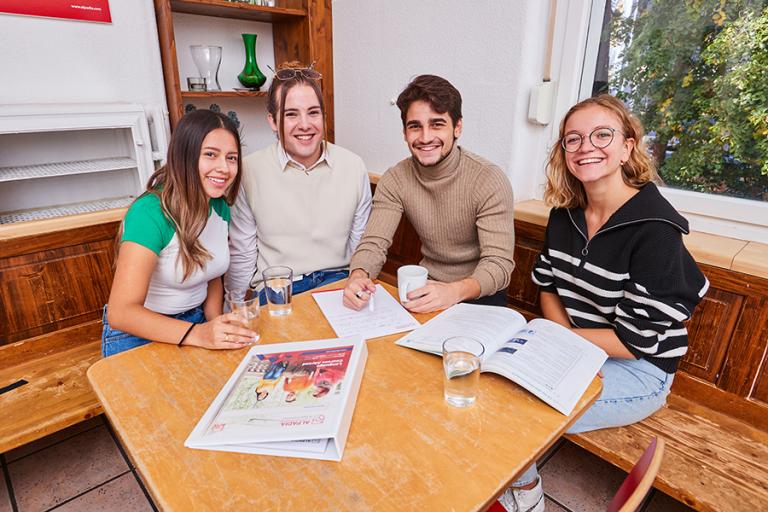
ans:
(613, 268)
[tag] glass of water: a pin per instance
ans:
(247, 311)
(461, 370)
(278, 287)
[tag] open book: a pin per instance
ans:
(288, 399)
(545, 358)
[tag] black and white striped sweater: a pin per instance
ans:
(634, 275)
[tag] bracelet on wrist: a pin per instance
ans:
(186, 334)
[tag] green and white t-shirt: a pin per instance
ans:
(146, 225)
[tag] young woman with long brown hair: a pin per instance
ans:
(173, 246)
(613, 269)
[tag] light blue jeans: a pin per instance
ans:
(633, 389)
(114, 341)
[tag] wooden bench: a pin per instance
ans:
(712, 461)
(54, 279)
(57, 393)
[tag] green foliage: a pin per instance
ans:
(695, 72)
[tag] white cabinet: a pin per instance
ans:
(60, 160)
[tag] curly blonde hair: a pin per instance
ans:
(565, 191)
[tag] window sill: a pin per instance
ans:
(719, 251)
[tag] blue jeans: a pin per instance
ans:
(311, 281)
(114, 341)
(633, 389)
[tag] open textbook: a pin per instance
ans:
(288, 399)
(545, 358)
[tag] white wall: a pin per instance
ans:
(491, 50)
(66, 61)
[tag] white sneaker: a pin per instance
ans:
(519, 500)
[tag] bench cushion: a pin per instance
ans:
(58, 393)
(711, 463)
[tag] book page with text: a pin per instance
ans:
(490, 325)
(550, 361)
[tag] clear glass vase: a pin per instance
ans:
(207, 59)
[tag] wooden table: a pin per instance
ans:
(407, 449)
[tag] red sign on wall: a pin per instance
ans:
(85, 10)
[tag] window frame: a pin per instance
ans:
(579, 27)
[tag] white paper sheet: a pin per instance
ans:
(388, 316)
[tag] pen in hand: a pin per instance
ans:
(360, 295)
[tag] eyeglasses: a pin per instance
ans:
(290, 73)
(600, 138)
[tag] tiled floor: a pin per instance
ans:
(84, 469)
(78, 469)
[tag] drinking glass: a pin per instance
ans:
(461, 370)
(207, 60)
(278, 287)
(247, 311)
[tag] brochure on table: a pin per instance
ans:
(288, 399)
(550, 361)
(386, 317)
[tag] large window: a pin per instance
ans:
(696, 74)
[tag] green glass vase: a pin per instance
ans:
(251, 76)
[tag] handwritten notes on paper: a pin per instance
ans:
(388, 316)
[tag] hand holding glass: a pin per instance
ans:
(461, 370)
(247, 311)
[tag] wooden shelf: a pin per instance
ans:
(222, 94)
(236, 10)
(301, 31)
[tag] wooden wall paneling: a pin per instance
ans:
(750, 334)
(53, 240)
(54, 280)
(164, 18)
(54, 289)
(405, 248)
(523, 293)
(321, 51)
(707, 395)
(709, 333)
(21, 290)
(760, 389)
(291, 41)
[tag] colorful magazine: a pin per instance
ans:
(288, 399)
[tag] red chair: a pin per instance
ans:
(639, 481)
(635, 486)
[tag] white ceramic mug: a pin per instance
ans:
(409, 278)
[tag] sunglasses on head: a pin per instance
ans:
(290, 73)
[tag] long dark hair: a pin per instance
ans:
(178, 185)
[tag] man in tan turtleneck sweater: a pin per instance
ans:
(460, 205)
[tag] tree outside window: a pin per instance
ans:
(696, 74)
